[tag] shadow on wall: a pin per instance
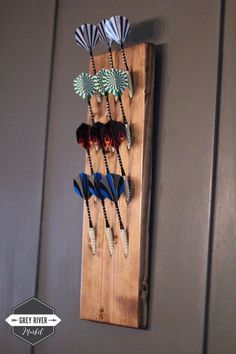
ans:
(151, 31)
(157, 122)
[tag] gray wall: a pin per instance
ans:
(222, 309)
(192, 292)
(26, 32)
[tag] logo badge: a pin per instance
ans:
(33, 321)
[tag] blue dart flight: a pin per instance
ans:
(94, 186)
(112, 186)
(81, 187)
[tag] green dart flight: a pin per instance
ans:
(84, 86)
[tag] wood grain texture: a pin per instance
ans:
(114, 288)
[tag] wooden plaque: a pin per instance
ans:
(114, 288)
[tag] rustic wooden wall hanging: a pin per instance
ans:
(114, 284)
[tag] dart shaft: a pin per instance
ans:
(93, 63)
(120, 162)
(122, 110)
(91, 114)
(105, 161)
(90, 162)
(119, 216)
(105, 214)
(124, 57)
(89, 214)
(110, 58)
(108, 108)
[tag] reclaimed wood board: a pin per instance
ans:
(114, 288)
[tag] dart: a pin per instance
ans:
(81, 187)
(100, 88)
(115, 81)
(84, 86)
(83, 135)
(86, 36)
(117, 29)
(113, 133)
(94, 186)
(105, 39)
(112, 186)
(96, 138)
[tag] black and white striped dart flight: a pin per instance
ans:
(86, 36)
(103, 35)
(81, 187)
(112, 186)
(83, 135)
(113, 133)
(94, 186)
(117, 28)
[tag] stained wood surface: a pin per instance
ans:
(114, 288)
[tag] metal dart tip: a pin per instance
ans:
(92, 237)
(127, 189)
(128, 136)
(110, 239)
(130, 84)
(124, 238)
